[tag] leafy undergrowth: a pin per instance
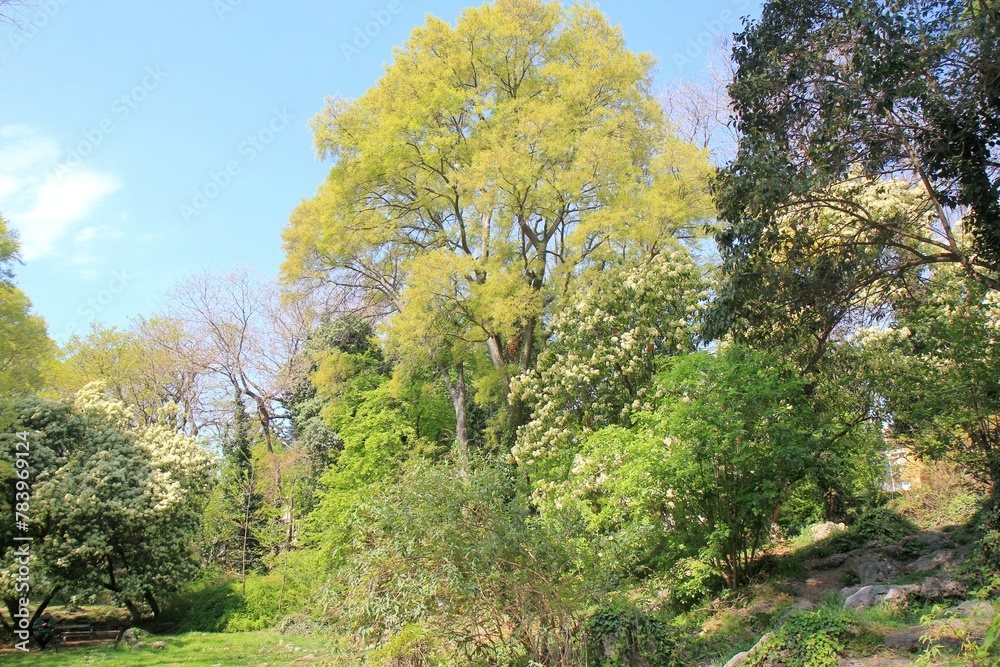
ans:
(254, 649)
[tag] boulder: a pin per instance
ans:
(133, 636)
(869, 596)
(822, 531)
(926, 540)
(741, 658)
(159, 644)
(801, 605)
(892, 551)
(929, 562)
(936, 588)
(830, 562)
(977, 610)
(918, 638)
(871, 567)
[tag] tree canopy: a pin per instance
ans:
(492, 163)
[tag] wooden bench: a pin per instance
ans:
(83, 635)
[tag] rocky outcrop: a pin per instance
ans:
(937, 588)
(976, 610)
(871, 567)
(862, 597)
(741, 658)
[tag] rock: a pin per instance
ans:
(821, 531)
(892, 551)
(935, 588)
(137, 645)
(974, 609)
(907, 639)
(830, 562)
(918, 638)
(738, 659)
(741, 658)
(871, 567)
(133, 635)
(869, 596)
(848, 591)
(801, 605)
(940, 558)
(925, 540)
(159, 644)
(264, 649)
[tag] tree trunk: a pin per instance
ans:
(133, 610)
(45, 603)
(457, 391)
(151, 601)
(11, 605)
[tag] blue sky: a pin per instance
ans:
(141, 142)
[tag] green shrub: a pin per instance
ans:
(803, 507)
(807, 639)
(204, 605)
(215, 603)
(623, 635)
(879, 524)
(691, 581)
(464, 557)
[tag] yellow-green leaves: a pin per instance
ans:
(475, 184)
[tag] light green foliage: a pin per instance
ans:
(492, 161)
(738, 431)
(806, 639)
(464, 558)
(378, 437)
(25, 347)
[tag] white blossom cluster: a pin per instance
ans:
(602, 351)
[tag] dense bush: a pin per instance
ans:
(625, 636)
(466, 559)
(879, 524)
(810, 639)
(216, 603)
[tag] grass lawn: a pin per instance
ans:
(256, 649)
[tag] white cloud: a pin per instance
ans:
(45, 201)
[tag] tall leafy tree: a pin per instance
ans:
(24, 343)
(235, 521)
(832, 99)
(490, 162)
(115, 503)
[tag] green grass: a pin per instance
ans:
(197, 649)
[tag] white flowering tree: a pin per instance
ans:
(115, 505)
(52, 431)
(601, 355)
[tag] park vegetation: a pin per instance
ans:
(536, 351)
